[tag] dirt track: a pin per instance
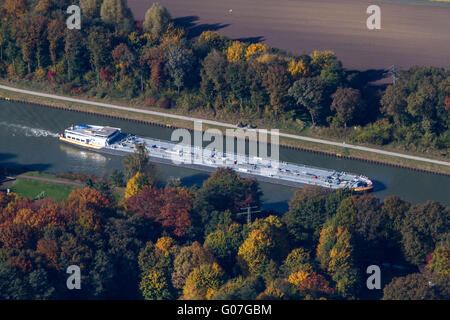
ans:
(411, 34)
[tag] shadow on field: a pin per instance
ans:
(189, 23)
(251, 39)
(373, 76)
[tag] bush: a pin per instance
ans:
(150, 102)
(164, 103)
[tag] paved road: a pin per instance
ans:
(416, 33)
(52, 180)
(221, 124)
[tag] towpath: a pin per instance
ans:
(222, 124)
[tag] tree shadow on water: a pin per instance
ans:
(378, 186)
(13, 168)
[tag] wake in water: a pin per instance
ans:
(28, 131)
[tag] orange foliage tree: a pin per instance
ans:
(87, 206)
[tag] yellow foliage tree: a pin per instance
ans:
(298, 277)
(255, 251)
(298, 69)
(165, 244)
(203, 282)
(322, 58)
(254, 49)
(236, 51)
(155, 286)
(136, 184)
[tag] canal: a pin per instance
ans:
(29, 138)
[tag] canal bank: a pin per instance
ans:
(346, 151)
(29, 138)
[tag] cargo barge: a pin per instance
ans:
(113, 141)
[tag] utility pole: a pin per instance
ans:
(248, 212)
(394, 72)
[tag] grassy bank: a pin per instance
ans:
(37, 189)
(294, 143)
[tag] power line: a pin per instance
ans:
(393, 71)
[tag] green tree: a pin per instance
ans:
(309, 93)
(423, 227)
(117, 14)
(99, 46)
(307, 214)
(154, 286)
(203, 282)
(180, 62)
(189, 258)
(139, 161)
(347, 103)
(90, 8)
(440, 262)
(117, 178)
(335, 255)
(156, 20)
(416, 286)
(55, 37)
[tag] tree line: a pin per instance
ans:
(156, 62)
(167, 241)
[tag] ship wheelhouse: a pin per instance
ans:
(91, 135)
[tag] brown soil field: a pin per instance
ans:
(412, 33)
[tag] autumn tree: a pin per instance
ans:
(298, 260)
(99, 45)
(155, 286)
(117, 14)
(154, 59)
(203, 282)
(298, 68)
(31, 30)
(55, 37)
(255, 49)
(139, 161)
(213, 71)
(277, 82)
(240, 288)
(16, 8)
(423, 227)
(136, 184)
(307, 214)
(189, 258)
(416, 286)
(236, 51)
(335, 255)
(225, 242)
(156, 20)
(158, 257)
(74, 53)
(311, 284)
(168, 207)
(90, 8)
(440, 262)
(88, 207)
(179, 62)
(308, 93)
(347, 103)
(124, 57)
